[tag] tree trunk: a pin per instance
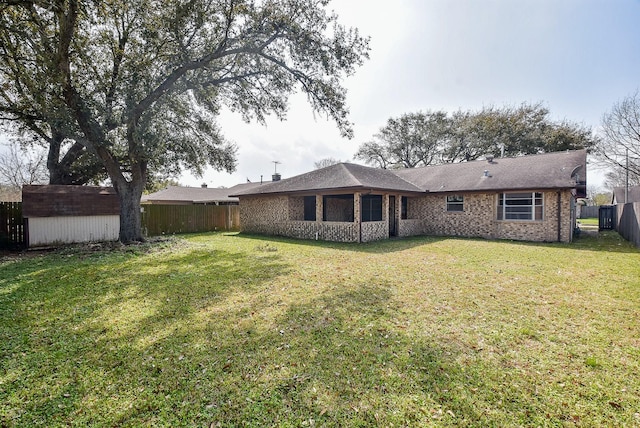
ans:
(129, 194)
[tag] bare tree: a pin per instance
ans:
(20, 166)
(619, 147)
(323, 163)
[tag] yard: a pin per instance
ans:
(228, 330)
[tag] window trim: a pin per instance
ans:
(455, 203)
(535, 205)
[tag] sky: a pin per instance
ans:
(577, 57)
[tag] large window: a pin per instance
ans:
(520, 206)
(372, 208)
(337, 208)
(455, 203)
(309, 208)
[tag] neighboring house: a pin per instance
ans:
(633, 195)
(528, 198)
(69, 214)
(179, 195)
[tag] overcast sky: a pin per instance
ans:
(577, 57)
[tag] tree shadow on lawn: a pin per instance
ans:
(75, 332)
(384, 246)
(164, 342)
(607, 241)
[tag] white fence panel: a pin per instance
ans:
(72, 229)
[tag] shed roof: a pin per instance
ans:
(558, 170)
(335, 177)
(68, 200)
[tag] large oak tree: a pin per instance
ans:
(425, 138)
(138, 83)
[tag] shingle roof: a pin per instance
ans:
(558, 170)
(339, 176)
(634, 194)
(190, 194)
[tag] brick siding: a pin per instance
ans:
(426, 215)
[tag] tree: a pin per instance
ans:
(323, 163)
(426, 138)
(22, 166)
(413, 139)
(619, 147)
(139, 84)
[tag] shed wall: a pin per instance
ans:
(73, 229)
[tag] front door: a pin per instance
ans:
(392, 216)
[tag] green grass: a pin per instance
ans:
(588, 221)
(232, 330)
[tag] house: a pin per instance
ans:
(68, 214)
(632, 195)
(179, 195)
(529, 198)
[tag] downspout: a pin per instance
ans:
(559, 216)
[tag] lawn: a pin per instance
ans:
(230, 330)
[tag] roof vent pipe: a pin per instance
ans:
(486, 173)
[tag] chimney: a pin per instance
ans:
(204, 185)
(276, 177)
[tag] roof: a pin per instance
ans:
(633, 196)
(557, 170)
(196, 195)
(335, 177)
(69, 200)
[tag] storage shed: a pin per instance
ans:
(70, 214)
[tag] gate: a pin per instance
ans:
(13, 229)
(607, 217)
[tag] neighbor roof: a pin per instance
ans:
(196, 195)
(558, 170)
(618, 194)
(334, 177)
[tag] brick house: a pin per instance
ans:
(530, 198)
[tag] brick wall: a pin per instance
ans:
(479, 218)
(280, 215)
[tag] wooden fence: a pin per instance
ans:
(629, 222)
(590, 211)
(13, 230)
(169, 219)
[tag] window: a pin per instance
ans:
(309, 208)
(455, 203)
(337, 208)
(404, 203)
(520, 206)
(372, 208)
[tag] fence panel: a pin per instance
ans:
(13, 229)
(169, 219)
(629, 222)
(589, 211)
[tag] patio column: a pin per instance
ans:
(319, 209)
(357, 217)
